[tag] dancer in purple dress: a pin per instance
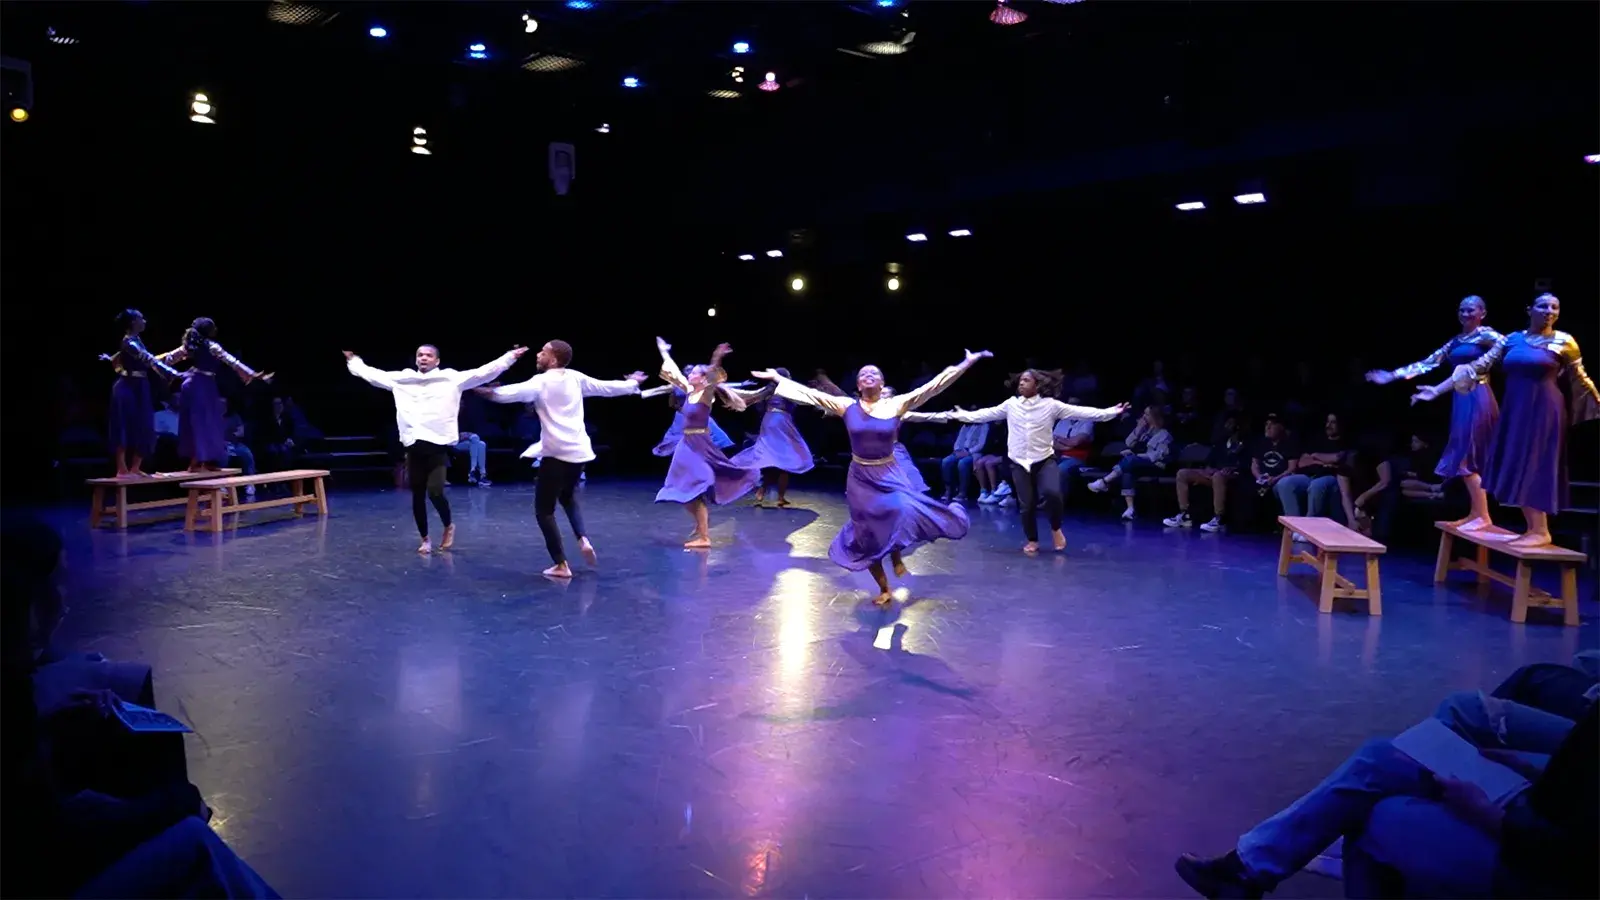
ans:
(202, 431)
(888, 516)
(1527, 465)
(700, 473)
(133, 429)
(669, 441)
(1473, 414)
(779, 450)
(903, 456)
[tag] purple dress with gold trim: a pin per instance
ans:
(699, 468)
(888, 513)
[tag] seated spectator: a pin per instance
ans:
(282, 435)
(239, 453)
(1188, 423)
(957, 467)
(1145, 393)
(1083, 384)
(1146, 454)
(1232, 408)
(1223, 465)
(991, 465)
(1271, 459)
(1073, 439)
(471, 422)
(1412, 833)
(1404, 475)
(166, 425)
(1314, 485)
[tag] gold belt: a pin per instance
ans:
(133, 374)
(697, 431)
(871, 462)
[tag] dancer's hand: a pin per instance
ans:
(662, 345)
(974, 357)
(1122, 407)
(517, 351)
(637, 377)
(1431, 392)
(349, 354)
(105, 357)
(267, 377)
(765, 374)
(721, 351)
(1379, 376)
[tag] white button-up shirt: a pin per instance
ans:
(1029, 423)
(557, 395)
(427, 404)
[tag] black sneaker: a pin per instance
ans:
(1220, 877)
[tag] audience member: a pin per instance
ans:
(1313, 486)
(1083, 384)
(1223, 465)
(1144, 394)
(1073, 439)
(240, 455)
(1407, 474)
(991, 465)
(1146, 454)
(1232, 408)
(1187, 421)
(472, 421)
(1274, 456)
(957, 467)
(1301, 397)
(283, 435)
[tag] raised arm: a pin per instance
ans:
(1068, 411)
(375, 377)
(486, 373)
(594, 387)
(234, 363)
(657, 391)
(670, 373)
(134, 348)
(789, 389)
(915, 398)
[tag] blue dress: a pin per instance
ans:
(1527, 465)
(779, 444)
(202, 412)
(133, 423)
(669, 441)
(888, 513)
(699, 468)
(1474, 414)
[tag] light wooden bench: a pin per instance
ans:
(118, 486)
(1332, 540)
(212, 498)
(1523, 593)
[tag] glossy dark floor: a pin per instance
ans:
(741, 721)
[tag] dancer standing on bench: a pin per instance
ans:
(133, 412)
(427, 402)
(563, 447)
(1473, 414)
(1527, 466)
(779, 450)
(700, 473)
(888, 516)
(202, 413)
(1030, 419)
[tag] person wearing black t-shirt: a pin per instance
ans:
(1271, 458)
(1223, 464)
(1314, 485)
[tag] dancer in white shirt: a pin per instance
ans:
(563, 447)
(427, 401)
(1030, 418)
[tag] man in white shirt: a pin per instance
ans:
(563, 447)
(427, 401)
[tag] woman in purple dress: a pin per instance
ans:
(1473, 414)
(133, 413)
(888, 515)
(669, 441)
(779, 450)
(700, 474)
(901, 455)
(1527, 464)
(202, 431)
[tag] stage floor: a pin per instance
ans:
(371, 723)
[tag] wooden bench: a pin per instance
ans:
(1523, 593)
(212, 498)
(118, 511)
(1332, 540)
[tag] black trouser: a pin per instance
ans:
(425, 469)
(556, 481)
(1043, 477)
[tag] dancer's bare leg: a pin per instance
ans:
(122, 463)
(559, 570)
(783, 488)
(135, 464)
(587, 549)
(1058, 539)
(766, 484)
(425, 547)
(899, 564)
(702, 525)
(1478, 519)
(1538, 533)
(196, 466)
(449, 539)
(883, 598)
(1030, 547)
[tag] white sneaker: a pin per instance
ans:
(986, 498)
(249, 492)
(1181, 520)
(1004, 490)
(1008, 502)
(1213, 526)
(1127, 515)
(1298, 538)
(1098, 486)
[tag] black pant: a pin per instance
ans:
(556, 481)
(425, 469)
(1044, 475)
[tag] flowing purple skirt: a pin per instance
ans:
(1527, 465)
(699, 469)
(909, 466)
(1473, 417)
(133, 416)
(778, 446)
(202, 431)
(888, 514)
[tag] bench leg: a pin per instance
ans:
(1374, 588)
(216, 512)
(1483, 564)
(1284, 549)
(193, 512)
(1327, 581)
(1441, 568)
(299, 488)
(1520, 591)
(97, 513)
(122, 507)
(322, 497)
(1569, 594)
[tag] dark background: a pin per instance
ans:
(1411, 154)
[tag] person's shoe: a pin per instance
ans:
(1007, 502)
(1298, 538)
(1220, 877)
(472, 478)
(1004, 489)
(1213, 526)
(249, 492)
(1181, 520)
(483, 481)
(1127, 514)
(987, 498)
(945, 497)
(1098, 485)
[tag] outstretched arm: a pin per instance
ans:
(657, 391)
(1069, 411)
(132, 347)
(915, 398)
(789, 389)
(375, 377)
(1406, 373)
(739, 398)
(670, 373)
(487, 373)
(235, 363)
(594, 387)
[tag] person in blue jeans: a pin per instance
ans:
(1146, 454)
(1411, 833)
(1072, 439)
(957, 467)
(1314, 488)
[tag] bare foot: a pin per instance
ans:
(560, 570)
(449, 539)
(697, 543)
(587, 549)
(1059, 539)
(883, 599)
(783, 503)
(426, 548)
(138, 473)
(1529, 541)
(761, 503)
(899, 567)
(1473, 523)
(1030, 547)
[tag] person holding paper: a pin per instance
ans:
(1413, 831)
